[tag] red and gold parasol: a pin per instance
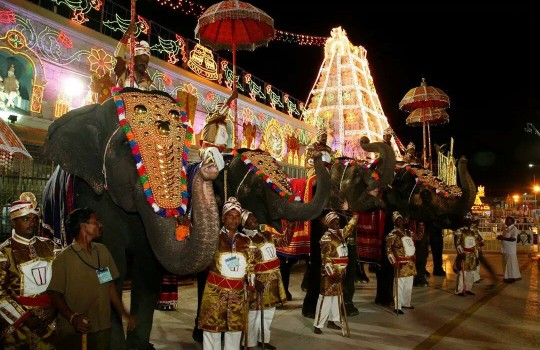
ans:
(418, 100)
(10, 146)
(234, 25)
(432, 115)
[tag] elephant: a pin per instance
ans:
(416, 194)
(356, 188)
(89, 143)
(264, 202)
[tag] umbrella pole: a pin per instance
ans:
(131, 63)
(429, 145)
(235, 111)
(424, 138)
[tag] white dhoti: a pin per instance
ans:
(254, 324)
(327, 309)
(511, 266)
(404, 292)
(476, 274)
(212, 341)
(461, 287)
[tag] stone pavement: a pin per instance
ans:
(499, 316)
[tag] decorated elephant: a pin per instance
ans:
(356, 186)
(417, 194)
(130, 154)
(262, 187)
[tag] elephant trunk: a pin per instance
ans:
(468, 189)
(192, 254)
(294, 211)
(386, 165)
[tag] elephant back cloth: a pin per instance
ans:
(425, 178)
(370, 236)
(58, 201)
(266, 167)
(159, 136)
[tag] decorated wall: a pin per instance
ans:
(60, 64)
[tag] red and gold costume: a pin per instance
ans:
(400, 244)
(25, 272)
(270, 289)
(223, 298)
(401, 253)
(465, 241)
(334, 257)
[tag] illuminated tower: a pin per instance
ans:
(344, 99)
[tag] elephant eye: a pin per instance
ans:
(140, 109)
(174, 114)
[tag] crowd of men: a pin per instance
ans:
(61, 298)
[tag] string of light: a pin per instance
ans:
(300, 39)
(192, 8)
(185, 6)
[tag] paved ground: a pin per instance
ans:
(499, 316)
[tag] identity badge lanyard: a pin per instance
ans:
(103, 274)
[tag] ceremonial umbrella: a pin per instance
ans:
(428, 116)
(10, 146)
(422, 97)
(234, 25)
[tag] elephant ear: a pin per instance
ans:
(76, 141)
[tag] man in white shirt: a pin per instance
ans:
(508, 249)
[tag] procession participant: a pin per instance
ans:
(334, 256)
(27, 316)
(318, 146)
(82, 288)
(141, 78)
(509, 250)
(410, 155)
(223, 305)
(268, 283)
(467, 256)
(400, 252)
(479, 244)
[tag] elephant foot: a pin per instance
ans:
(197, 335)
(289, 295)
(439, 272)
(150, 346)
(351, 310)
(308, 314)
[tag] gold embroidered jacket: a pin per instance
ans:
(400, 246)
(222, 306)
(465, 241)
(25, 272)
(267, 268)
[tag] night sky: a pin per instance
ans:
(484, 57)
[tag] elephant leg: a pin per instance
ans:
(436, 243)
(314, 275)
(350, 277)
(197, 334)
(285, 266)
(421, 247)
(385, 279)
(146, 277)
